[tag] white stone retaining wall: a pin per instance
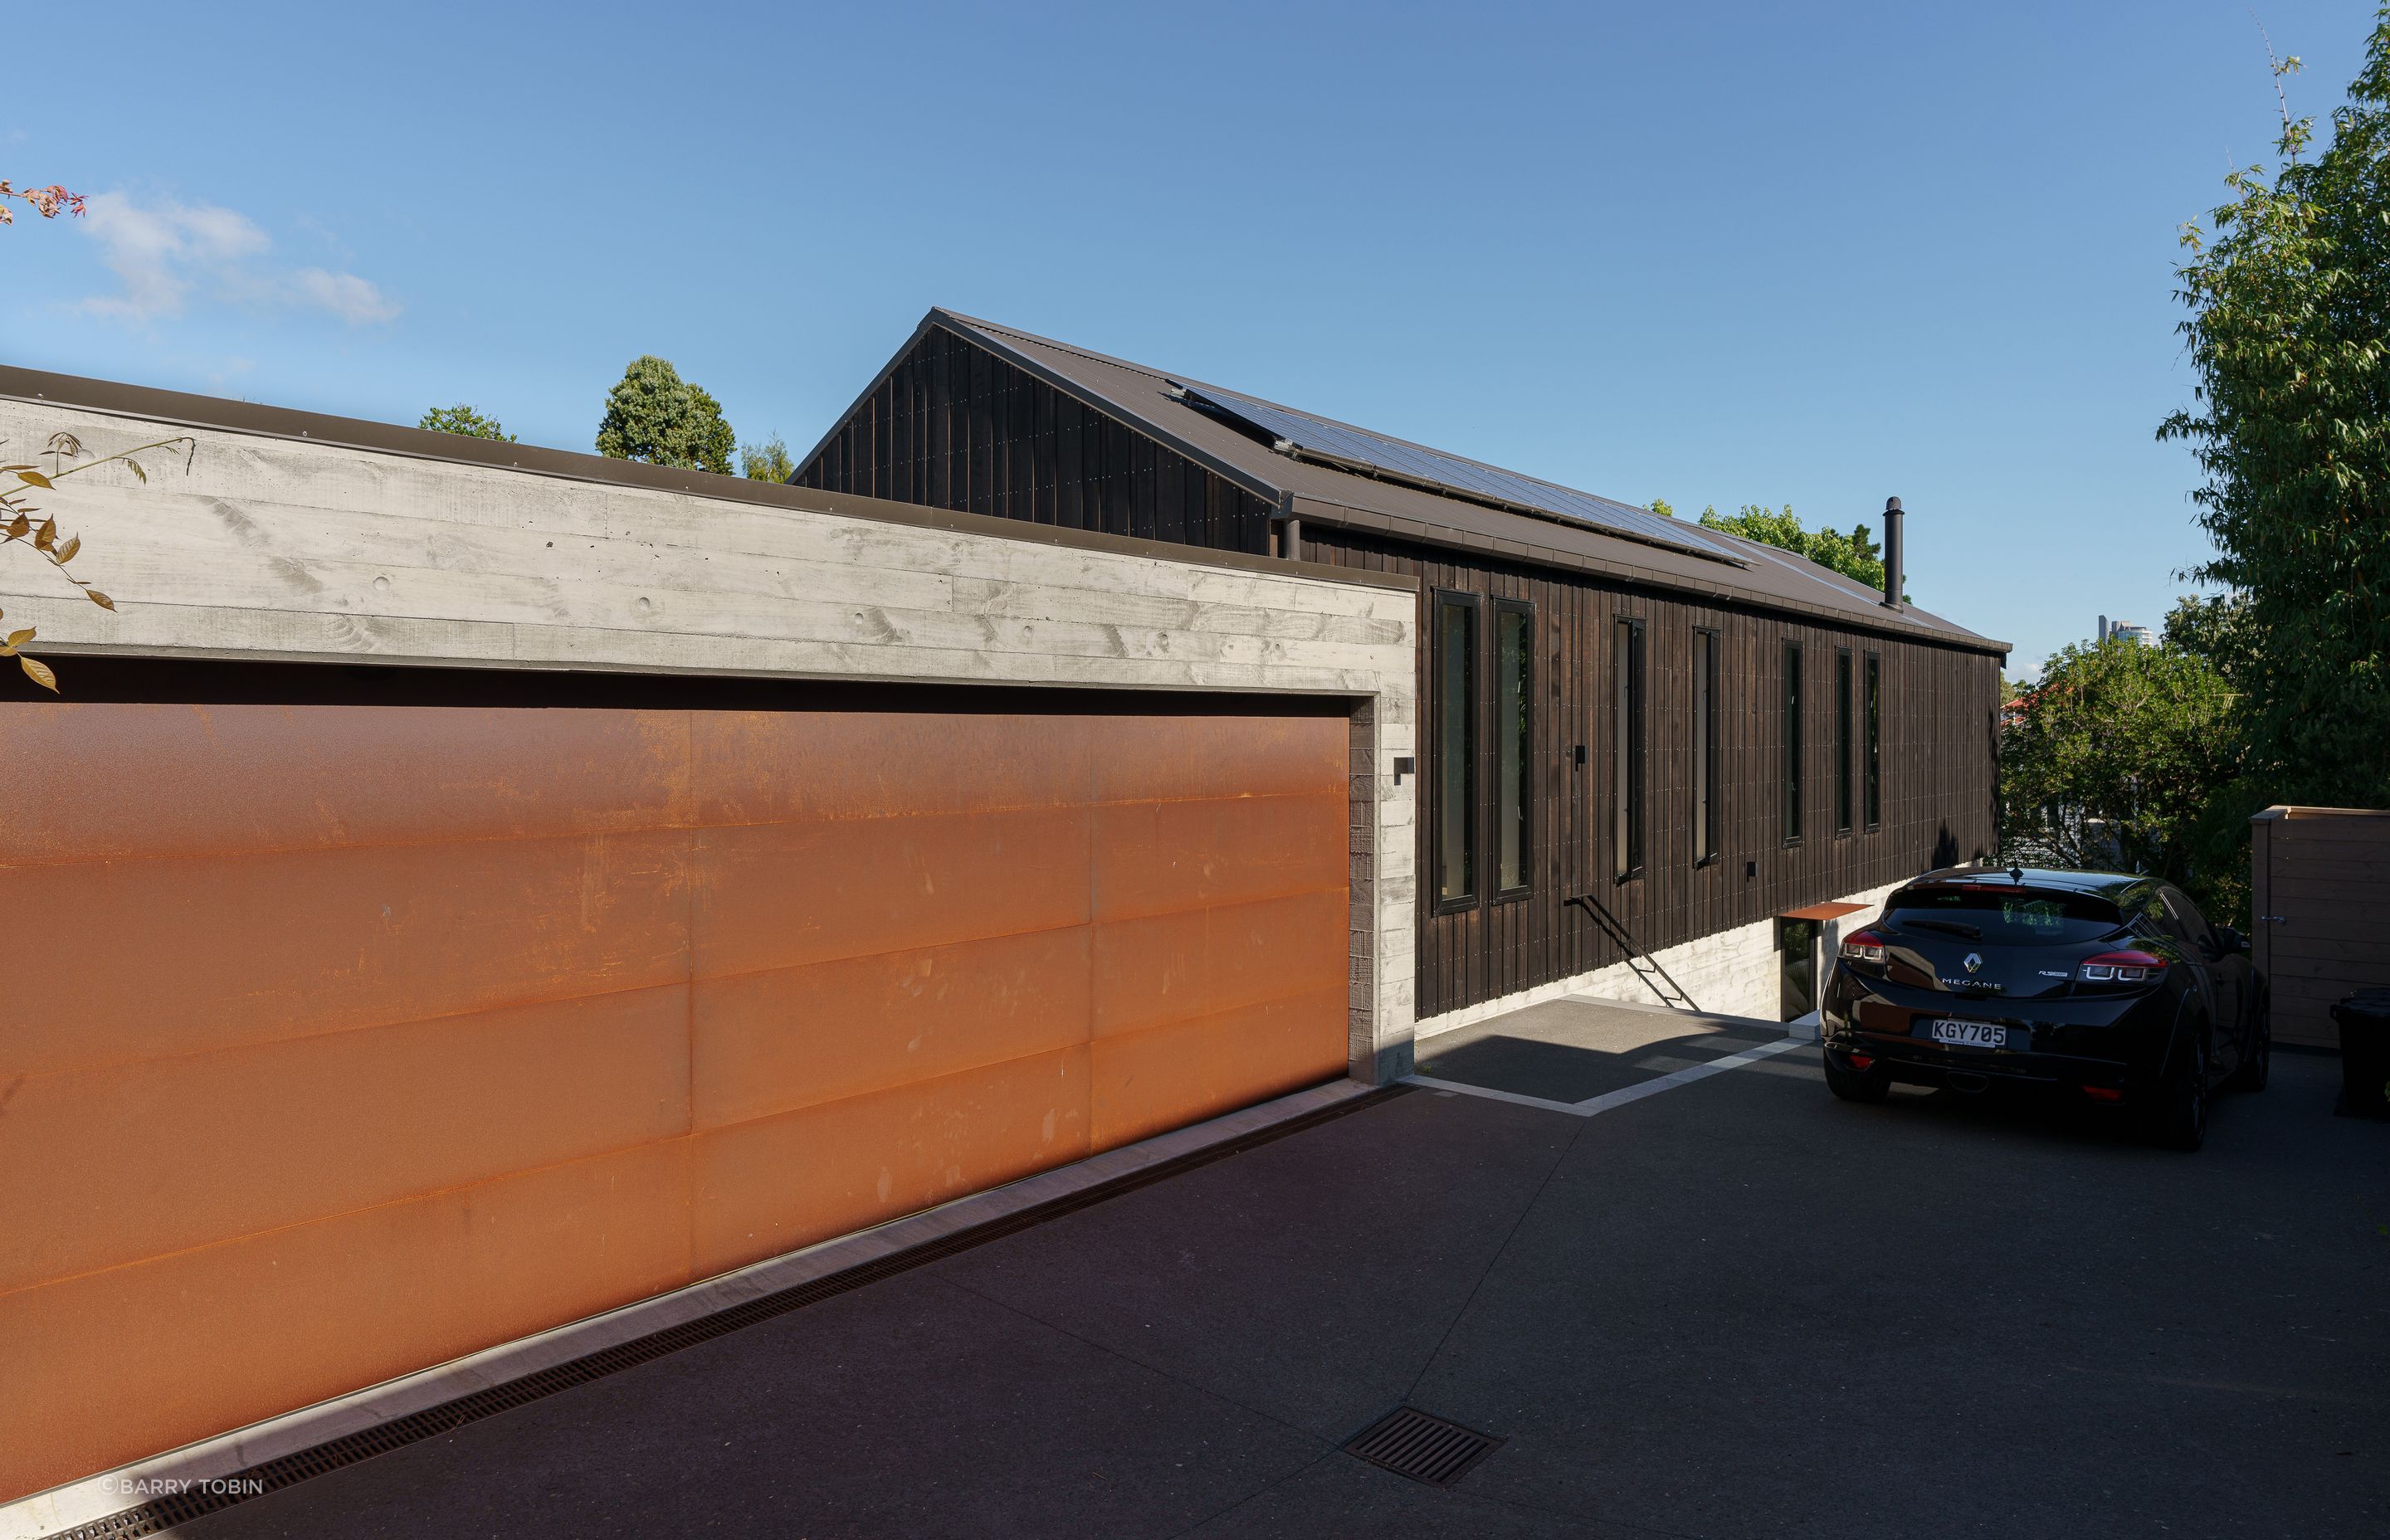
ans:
(1734, 972)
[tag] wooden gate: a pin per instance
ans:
(2320, 893)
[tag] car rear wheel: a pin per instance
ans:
(2179, 1119)
(2258, 1063)
(1856, 1085)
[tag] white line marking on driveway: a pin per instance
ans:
(1489, 1094)
(1609, 1101)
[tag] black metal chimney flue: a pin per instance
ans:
(1891, 585)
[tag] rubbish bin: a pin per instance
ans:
(2364, 1021)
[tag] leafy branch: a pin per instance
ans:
(45, 201)
(18, 510)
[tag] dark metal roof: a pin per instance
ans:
(1146, 398)
(1341, 447)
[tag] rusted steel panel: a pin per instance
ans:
(426, 1027)
(1163, 968)
(103, 782)
(110, 1165)
(772, 1041)
(1152, 857)
(111, 1366)
(761, 767)
(222, 951)
(780, 895)
(1184, 758)
(1166, 1076)
(775, 1184)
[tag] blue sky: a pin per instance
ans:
(1717, 254)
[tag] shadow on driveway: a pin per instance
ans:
(1571, 1049)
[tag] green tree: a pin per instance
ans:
(2216, 627)
(768, 461)
(464, 419)
(2288, 296)
(653, 415)
(2112, 759)
(1855, 555)
(1663, 508)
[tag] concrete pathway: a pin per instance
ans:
(1733, 1308)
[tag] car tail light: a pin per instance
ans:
(1863, 946)
(2120, 967)
(2104, 1093)
(1861, 1060)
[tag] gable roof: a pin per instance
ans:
(1150, 399)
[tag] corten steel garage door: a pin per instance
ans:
(338, 1041)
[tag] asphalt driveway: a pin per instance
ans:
(1736, 1307)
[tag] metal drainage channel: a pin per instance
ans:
(1411, 1442)
(247, 1485)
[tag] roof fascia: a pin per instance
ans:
(1370, 522)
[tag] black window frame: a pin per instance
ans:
(1515, 790)
(1630, 711)
(1846, 701)
(1789, 705)
(1872, 706)
(1706, 713)
(1465, 714)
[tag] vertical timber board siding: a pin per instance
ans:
(953, 426)
(492, 1017)
(2319, 913)
(1938, 702)
(1938, 765)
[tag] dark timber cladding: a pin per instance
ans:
(1699, 744)
(953, 427)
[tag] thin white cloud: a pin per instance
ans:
(344, 294)
(155, 250)
(162, 251)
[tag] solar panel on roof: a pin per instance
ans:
(1332, 441)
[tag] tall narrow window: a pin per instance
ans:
(1456, 749)
(1514, 704)
(1791, 741)
(1874, 740)
(1627, 730)
(1705, 747)
(1842, 740)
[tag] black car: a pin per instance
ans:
(2104, 988)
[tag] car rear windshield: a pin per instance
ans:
(2003, 915)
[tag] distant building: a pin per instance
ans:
(2140, 634)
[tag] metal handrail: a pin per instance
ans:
(1637, 959)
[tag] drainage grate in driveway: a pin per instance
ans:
(1409, 1443)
